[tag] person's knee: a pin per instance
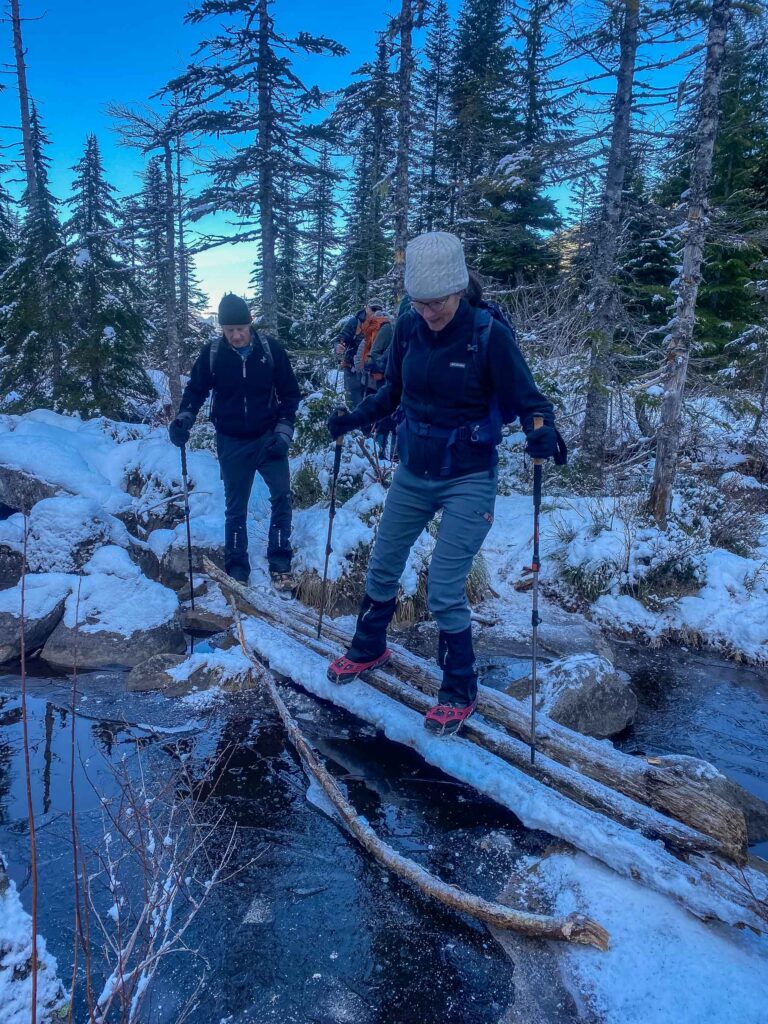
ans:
(381, 582)
(448, 605)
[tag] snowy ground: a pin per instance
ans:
(664, 964)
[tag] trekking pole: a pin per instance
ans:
(535, 566)
(331, 517)
(186, 516)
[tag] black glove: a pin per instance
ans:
(281, 441)
(178, 429)
(546, 443)
(342, 421)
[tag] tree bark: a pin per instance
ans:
(405, 76)
(266, 176)
(26, 128)
(603, 294)
(172, 359)
(680, 337)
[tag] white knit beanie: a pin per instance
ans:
(434, 266)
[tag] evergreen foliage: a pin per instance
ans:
(110, 334)
(36, 313)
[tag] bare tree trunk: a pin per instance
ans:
(171, 310)
(26, 128)
(680, 336)
(405, 76)
(183, 274)
(603, 295)
(266, 177)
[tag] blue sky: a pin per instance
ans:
(82, 56)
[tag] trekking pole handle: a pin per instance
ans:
(538, 421)
(184, 459)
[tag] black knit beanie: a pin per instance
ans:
(233, 311)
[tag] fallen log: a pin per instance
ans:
(713, 826)
(584, 791)
(702, 884)
(571, 928)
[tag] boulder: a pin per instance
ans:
(755, 810)
(152, 674)
(583, 692)
(117, 617)
(65, 531)
(11, 562)
(211, 613)
(145, 558)
(21, 491)
(174, 564)
(176, 675)
(44, 599)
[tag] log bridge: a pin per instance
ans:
(645, 821)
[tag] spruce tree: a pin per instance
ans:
(36, 315)
(111, 334)
(431, 176)
(8, 230)
(365, 118)
(244, 85)
(482, 108)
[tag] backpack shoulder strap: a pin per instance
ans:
(267, 350)
(478, 346)
(214, 355)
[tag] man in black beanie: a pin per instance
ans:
(255, 397)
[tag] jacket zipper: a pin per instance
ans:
(245, 393)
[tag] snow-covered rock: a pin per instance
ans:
(15, 964)
(65, 531)
(115, 616)
(21, 490)
(227, 670)
(152, 674)
(211, 613)
(10, 566)
(44, 598)
(207, 534)
(583, 692)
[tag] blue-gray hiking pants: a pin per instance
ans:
(467, 503)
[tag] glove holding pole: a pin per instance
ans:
(339, 444)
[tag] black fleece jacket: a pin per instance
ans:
(435, 379)
(249, 396)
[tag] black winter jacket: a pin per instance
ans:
(435, 379)
(249, 397)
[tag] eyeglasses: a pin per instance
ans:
(434, 305)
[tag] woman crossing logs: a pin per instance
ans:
(457, 376)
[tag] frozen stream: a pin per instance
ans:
(309, 931)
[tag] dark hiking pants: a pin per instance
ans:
(239, 460)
